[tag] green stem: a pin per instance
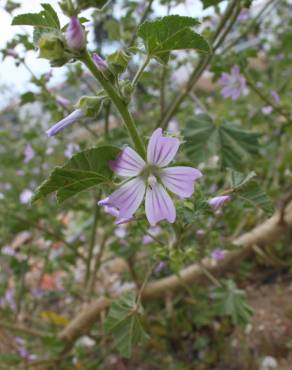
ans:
(264, 98)
(118, 102)
(92, 241)
(140, 71)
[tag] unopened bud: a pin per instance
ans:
(75, 35)
(90, 105)
(118, 61)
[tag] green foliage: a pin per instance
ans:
(123, 322)
(84, 170)
(173, 32)
(246, 188)
(233, 145)
(232, 302)
(47, 18)
(253, 195)
(208, 3)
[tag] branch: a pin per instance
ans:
(264, 234)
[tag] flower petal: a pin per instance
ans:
(180, 180)
(158, 205)
(161, 150)
(128, 163)
(128, 198)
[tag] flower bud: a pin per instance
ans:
(218, 202)
(90, 105)
(52, 48)
(75, 35)
(118, 61)
(100, 63)
(67, 121)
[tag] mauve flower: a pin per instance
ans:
(113, 211)
(218, 202)
(155, 231)
(20, 173)
(63, 102)
(75, 35)
(275, 96)
(8, 251)
(120, 232)
(25, 196)
(71, 149)
(161, 266)
(173, 127)
(267, 110)
(234, 84)
(28, 154)
(217, 254)
(67, 121)
(11, 53)
(150, 179)
(100, 63)
(8, 300)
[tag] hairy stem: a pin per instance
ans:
(118, 102)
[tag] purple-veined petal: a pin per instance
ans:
(128, 163)
(128, 198)
(158, 205)
(67, 121)
(180, 180)
(161, 150)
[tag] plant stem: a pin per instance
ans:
(92, 241)
(143, 17)
(140, 71)
(118, 102)
(267, 100)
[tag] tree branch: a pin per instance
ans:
(264, 234)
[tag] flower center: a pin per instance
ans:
(151, 181)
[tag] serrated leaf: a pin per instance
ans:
(253, 195)
(28, 97)
(51, 15)
(238, 179)
(83, 171)
(233, 145)
(172, 32)
(123, 322)
(46, 18)
(208, 3)
(30, 19)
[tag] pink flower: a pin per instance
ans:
(155, 231)
(63, 102)
(267, 110)
(275, 96)
(150, 179)
(234, 84)
(218, 202)
(217, 254)
(25, 196)
(67, 121)
(71, 149)
(75, 35)
(100, 63)
(28, 154)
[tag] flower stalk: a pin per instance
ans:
(118, 102)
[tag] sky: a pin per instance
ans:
(16, 79)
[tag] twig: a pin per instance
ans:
(92, 241)
(24, 330)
